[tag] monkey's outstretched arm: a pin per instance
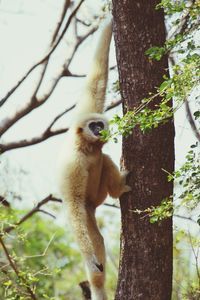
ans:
(93, 98)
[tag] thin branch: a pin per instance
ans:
(46, 213)
(15, 269)
(113, 105)
(35, 103)
(59, 116)
(48, 133)
(4, 202)
(33, 141)
(64, 11)
(80, 40)
(111, 205)
(185, 218)
(182, 26)
(32, 212)
(191, 121)
(2, 101)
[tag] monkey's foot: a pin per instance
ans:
(93, 264)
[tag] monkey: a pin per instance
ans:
(86, 174)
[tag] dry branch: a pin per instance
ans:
(35, 103)
(34, 210)
(191, 121)
(45, 58)
(48, 133)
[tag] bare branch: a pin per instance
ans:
(64, 11)
(4, 202)
(191, 121)
(80, 40)
(32, 212)
(35, 103)
(113, 105)
(33, 141)
(111, 205)
(46, 57)
(15, 269)
(59, 116)
(48, 133)
(185, 218)
(46, 213)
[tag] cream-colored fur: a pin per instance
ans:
(86, 175)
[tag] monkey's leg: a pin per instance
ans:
(96, 279)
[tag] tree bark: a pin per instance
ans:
(145, 270)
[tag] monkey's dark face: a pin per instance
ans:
(96, 127)
(90, 127)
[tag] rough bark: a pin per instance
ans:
(145, 270)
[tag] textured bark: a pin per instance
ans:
(145, 270)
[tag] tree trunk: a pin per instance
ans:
(145, 270)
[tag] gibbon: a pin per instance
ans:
(86, 175)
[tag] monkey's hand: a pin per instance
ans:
(126, 188)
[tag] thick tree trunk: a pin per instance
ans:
(145, 270)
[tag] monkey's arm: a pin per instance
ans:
(115, 180)
(93, 97)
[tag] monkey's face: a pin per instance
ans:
(96, 127)
(90, 129)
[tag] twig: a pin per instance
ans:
(64, 11)
(191, 121)
(185, 218)
(15, 269)
(2, 101)
(4, 202)
(111, 205)
(32, 212)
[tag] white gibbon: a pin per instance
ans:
(86, 175)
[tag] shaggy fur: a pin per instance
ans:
(86, 175)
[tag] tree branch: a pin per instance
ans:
(15, 269)
(35, 103)
(32, 212)
(46, 57)
(191, 121)
(48, 133)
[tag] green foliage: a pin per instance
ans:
(186, 284)
(47, 258)
(158, 213)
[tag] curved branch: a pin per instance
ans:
(48, 133)
(46, 57)
(32, 212)
(35, 103)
